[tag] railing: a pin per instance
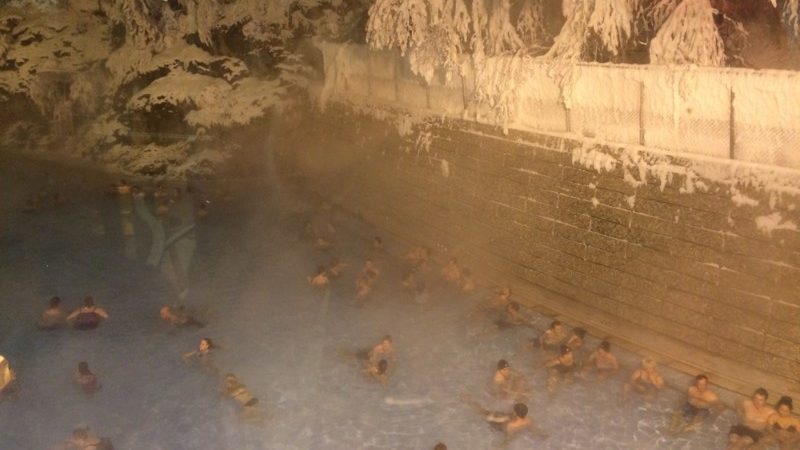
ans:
(742, 114)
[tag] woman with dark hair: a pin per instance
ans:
(782, 427)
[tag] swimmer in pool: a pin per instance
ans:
(369, 271)
(53, 317)
(645, 381)
(440, 446)
(8, 378)
(560, 369)
(501, 299)
(512, 424)
(451, 273)
(754, 414)
(320, 280)
(700, 404)
(202, 355)
(602, 362)
(82, 439)
(179, 316)
(379, 372)
(250, 410)
(507, 384)
(417, 257)
(575, 340)
(87, 317)
(86, 379)
(552, 338)
(382, 350)
(782, 427)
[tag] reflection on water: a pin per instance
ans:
(282, 339)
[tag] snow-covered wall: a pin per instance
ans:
(692, 257)
(748, 115)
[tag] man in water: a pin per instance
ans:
(511, 423)
(379, 371)
(505, 383)
(645, 381)
(700, 404)
(83, 440)
(560, 368)
(7, 377)
(179, 316)
(552, 338)
(753, 415)
(320, 280)
(234, 389)
(602, 362)
(86, 379)
(53, 317)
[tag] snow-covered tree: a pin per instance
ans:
(689, 36)
(594, 30)
(790, 15)
(531, 27)
(401, 24)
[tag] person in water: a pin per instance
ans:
(86, 379)
(87, 317)
(82, 439)
(560, 368)
(701, 403)
(202, 355)
(451, 272)
(179, 316)
(53, 317)
(782, 427)
(645, 381)
(576, 339)
(754, 414)
(320, 280)
(506, 383)
(512, 318)
(417, 257)
(382, 350)
(512, 424)
(7, 378)
(235, 389)
(602, 362)
(552, 338)
(500, 300)
(379, 371)
(440, 446)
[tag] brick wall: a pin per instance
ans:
(670, 251)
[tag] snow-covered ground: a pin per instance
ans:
(281, 338)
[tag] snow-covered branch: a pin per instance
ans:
(689, 36)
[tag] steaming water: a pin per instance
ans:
(282, 339)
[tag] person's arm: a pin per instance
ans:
(101, 312)
(658, 381)
(73, 314)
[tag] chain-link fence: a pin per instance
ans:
(740, 114)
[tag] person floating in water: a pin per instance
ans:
(53, 317)
(645, 381)
(512, 424)
(507, 384)
(320, 280)
(379, 371)
(701, 403)
(82, 439)
(86, 379)
(560, 369)
(179, 316)
(250, 410)
(754, 413)
(201, 356)
(602, 362)
(782, 427)
(87, 317)
(8, 378)
(552, 338)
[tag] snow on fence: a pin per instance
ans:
(748, 115)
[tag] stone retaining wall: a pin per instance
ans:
(703, 251)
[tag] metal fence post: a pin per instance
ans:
(567, 118)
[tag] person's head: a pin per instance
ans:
(648, 363)
(88, 301)
(503, 367)
(386, 341)
(606, 346)
(564, 349)
(505, 291)
(83, 368)
(383, 365)
(440, 446)
(579, 331)
(164, 312)
(521, 410)
(760, 397)
(512, 307)
(784, 406)
(556, 326)
(701, 382)
(55, 302)
(206, 344)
